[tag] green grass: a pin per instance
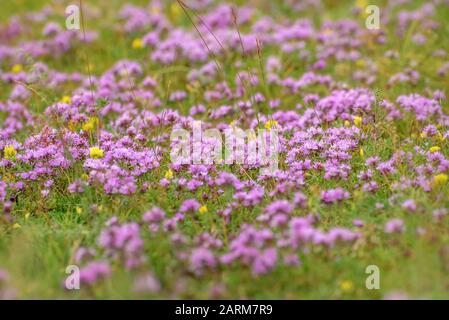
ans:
(37, 253)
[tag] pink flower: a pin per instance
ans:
(334, 195)
(94, 271)
(409, 205)
(394, 225)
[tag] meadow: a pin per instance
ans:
(90, 194)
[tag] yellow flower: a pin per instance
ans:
(137, 43)
(346, 285)
(91, 124)
(423, 135)
(251, 136)
(202, 209)
(361, 152)
(440, 179)
(434, 149)
(358, 121)
(361, 3)
(328, 31)
(79, 210)
(66, 99)
(16, 68)
(347, 123)
(96, 153)
(89, 67)
(360, 63)
(16, 226)
(85, 176)
(155, 10)
(88, 126)
(71, 125)
(193, 86)
(270, 123)
(175, 10)
(8, 177)
(169, 174)
(440, 136)
(9, 152)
